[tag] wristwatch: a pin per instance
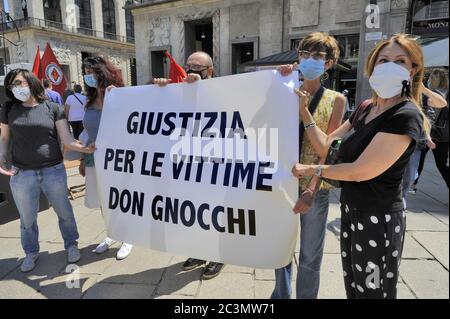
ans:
(318, 171)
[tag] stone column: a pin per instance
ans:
(375, 26)
(399, 16)
(35, 8)
(97, 17)
(15, 9)
(70, 14)
(385, 20)
(120, 18)
(225, 51)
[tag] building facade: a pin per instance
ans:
(75, 29)
(238, 31)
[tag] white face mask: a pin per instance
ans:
(387, 79)
(22, 94)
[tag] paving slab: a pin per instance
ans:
(119, 291)
(142, 266)
(427, 278)
(413, 249)
(436, 243)
(228, 286)
(424, 221)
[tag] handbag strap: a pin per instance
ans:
(362, 107)
(75, 95)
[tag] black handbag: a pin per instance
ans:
(334, 158)
(334, 152)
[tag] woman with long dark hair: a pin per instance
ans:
(100, 74)
(34, 125)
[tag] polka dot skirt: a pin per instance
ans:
(371, 250)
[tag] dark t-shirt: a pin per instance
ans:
(33, 132)
(384, 191)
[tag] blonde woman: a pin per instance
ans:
(375, 151)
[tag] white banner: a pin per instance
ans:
(203, 170)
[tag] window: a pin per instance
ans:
(109, 19)
(129, 21)
(430, 9)
(430, 18)
(4, 61)
(349, 45)
(52, 10)
(295, 43)
(84, 13)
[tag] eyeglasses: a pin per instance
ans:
(17, 83)
(196, 67)
(317, 55)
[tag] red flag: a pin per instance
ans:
(177, 73)
(51, 70)
(37, 64)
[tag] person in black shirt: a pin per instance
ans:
(436, 108)
(431, 103)
(377, 142)
(34, 125)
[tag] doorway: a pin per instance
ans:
(198, 36)
(159, 64)
(241, 53)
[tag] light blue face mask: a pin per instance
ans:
(312, 68)
(90, 80)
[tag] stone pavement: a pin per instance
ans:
(153, 274)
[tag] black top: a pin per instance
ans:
(384, 191)
(33, 132)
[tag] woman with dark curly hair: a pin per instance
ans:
(99, 75)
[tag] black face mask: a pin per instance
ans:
(200, 73)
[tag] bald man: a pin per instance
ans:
(199, 66)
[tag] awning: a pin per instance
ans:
(436, 53)
(287, 57)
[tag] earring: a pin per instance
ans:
(324, 77)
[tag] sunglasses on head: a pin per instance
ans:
(94, 60)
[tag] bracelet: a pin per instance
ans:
(318, 171)
(312, 124)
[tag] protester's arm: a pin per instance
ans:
(319, 140)
(82, 168)
(430, 144)
(60, 100)
(67, 139)
(377, 158)
(67, 109)
(4, 142)
(434, 99)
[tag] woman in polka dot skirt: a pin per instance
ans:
(377, 142)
